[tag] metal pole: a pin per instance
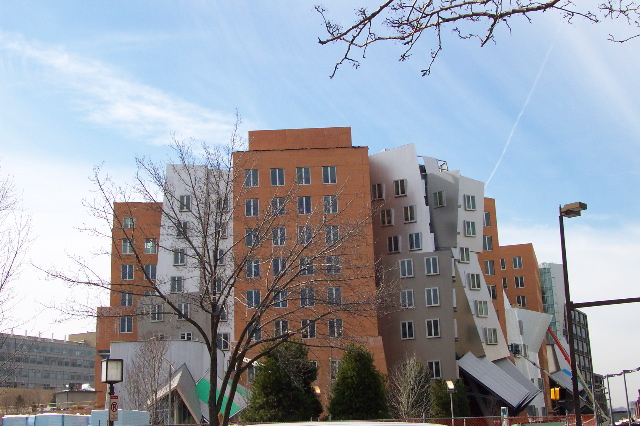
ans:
(111, 392)
(626, 394)
(451, 399)
(569, 322)
(610, 406)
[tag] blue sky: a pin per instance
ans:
(84, 84)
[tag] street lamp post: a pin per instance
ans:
(451, 389)
(569, 211)
(111, 373)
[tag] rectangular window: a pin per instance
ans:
(406, 299)
(393, 244)
(333, 265)
(469, 202)
(278, 265)
(504, 282)
(406, 330)
(464, 255)
(517, 262)
(126, 298)
(304, 205)
(469, 228)
(486, 220)
(308, 329)
(493, 292)
(150, 271)
(330, 204)
(279, 236)
(400, 187)
(179, 257)
(253, 299)
(433, 328)
(251, 207)
(251, 178)
(185, 203)
(306, 266)
(335, 327)
(220, 258)
(521, 301)
(254, 331)
(329, 174)
(474, 281)
(129, 222)
(222, 204)
(221, 311)
(386, 217)
(434, 368)
(182, 229)
(431, 265)
(432, 296)
(334, 366)
(280, 299)
(186, 336)
(487, 243)
(251, 237)
(183, 311)
(220, 230)
(281, 327)
(277, 177)
(519, 282)
(176, 284)
(482, 308)
(127, 246)
(415, 241)
(406, 268)
(377, 191)
(503, 264)
(126, 324)
(331, 234)
(438, 199)
(334, 295)
(409, 214)
(253, 268)
(489, 267)
(223, 341)
(303, 175)
(277, 206)
(305, 234)
(307, 297)
(150, 246)
(491, 336)
(127, 272)
(157, 313)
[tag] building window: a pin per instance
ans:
(334, 295)
(251, 207)
(220, 257)
(487, 243)
(251, 178)
(185, 203)
(253, 268)
(334, 367)
(504, 282)
(126, 298)
(150, 246)
(126, 272)
(253, 299)
(333, 264)
(186, 336)
(482, 308)
(331, 234)
(406, 268)
(335, 327)
(183, 311)
(464, 255)
(434, 368)
(431, 265)
(157, 313)
(307, 296)
(305, 234)
(222, 204)
(129, 222)
(438, 199)
(503, 264)
(486, 220)
(221, 311)
(220, 230)
(304, 205)
(489, 267)
(492, 336)
(386, 217)
(303, 175)
(280, 299)
(469, 202)
(519, 282)
(126, 324)
(400, 187)
(177, 284)
(127, 246)
(182, 229)
(469, 228)
(277, 177)
(406, 330)
(179, 257)
(279, 236)
(278, 265)
(330, 204)
(409, 214)
(251, 237)
(493, 292)
(393, 244)
(281, 327)
(406, 299)
(415, 241)
(277, 206)
(432, 296)
(150, 271)
(306, 266)
(377, 191)
(433, 328)
(521, 301)
(474, 281)
(517, 262)
(329, 174)
(223, 341)
(308, 329)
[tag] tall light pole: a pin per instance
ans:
(451, 388)
(569, 211)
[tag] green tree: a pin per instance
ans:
(358, 392)
(282, 390)
(461, 400)
(441, 401)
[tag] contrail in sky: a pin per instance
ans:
(524, 106)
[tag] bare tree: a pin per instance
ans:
(408, 390)
(409, 22)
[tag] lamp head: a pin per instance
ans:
(573, 209)
(111, 371)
